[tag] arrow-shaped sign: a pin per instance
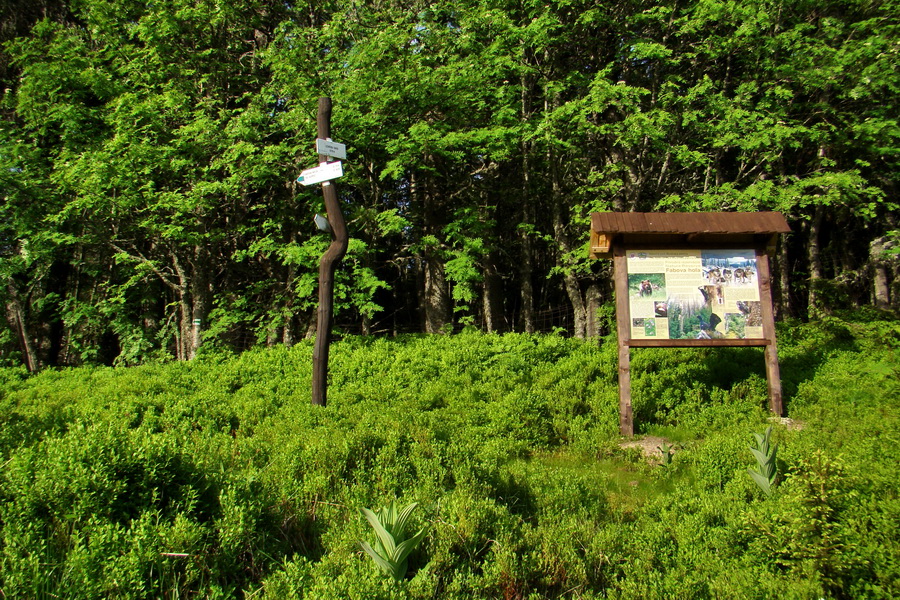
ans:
(332, 149)
(323, 172)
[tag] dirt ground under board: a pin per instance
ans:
(649, 444)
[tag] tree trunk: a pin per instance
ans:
(816, 271)
(526, 264)
(882, 287)
(437, 310)
(184, 328)
(784, 307)
(895, 286)
(184, 310)
(570, 281)
(435, 299)
(201, 297)
(289, 332)
(310, 327)
(274, 330)
(194, 296)
(419, 268)
(16, 314)
(492, 295)
(526, 244)
(627, 199)
(594, 299)
(580, 321)
(881, 280)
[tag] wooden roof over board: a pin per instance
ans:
(697, 222)
(673, 229)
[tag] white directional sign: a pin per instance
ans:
(332, 149)
(321, 173)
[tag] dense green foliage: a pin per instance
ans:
(216, 478)
(148, 150)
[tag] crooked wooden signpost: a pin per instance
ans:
(324, 174)
(690, 280)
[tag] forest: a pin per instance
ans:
(149, 152)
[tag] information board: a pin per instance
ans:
(693, 294)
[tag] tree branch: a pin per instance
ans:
(138, 257)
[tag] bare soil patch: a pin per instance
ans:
(649, 445)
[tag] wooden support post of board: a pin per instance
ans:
(773, 373)
(623, 329)
(327, 266)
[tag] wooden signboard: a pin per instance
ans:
(690, 280)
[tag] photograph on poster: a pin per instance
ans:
(694, 294)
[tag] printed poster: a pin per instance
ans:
(693, 294)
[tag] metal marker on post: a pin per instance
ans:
(327, 265)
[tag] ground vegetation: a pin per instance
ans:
(216, 478)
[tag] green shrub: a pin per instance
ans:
(721, 458)
(216, 478)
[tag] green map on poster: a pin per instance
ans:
(693, 294)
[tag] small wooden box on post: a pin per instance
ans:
(690, 280)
